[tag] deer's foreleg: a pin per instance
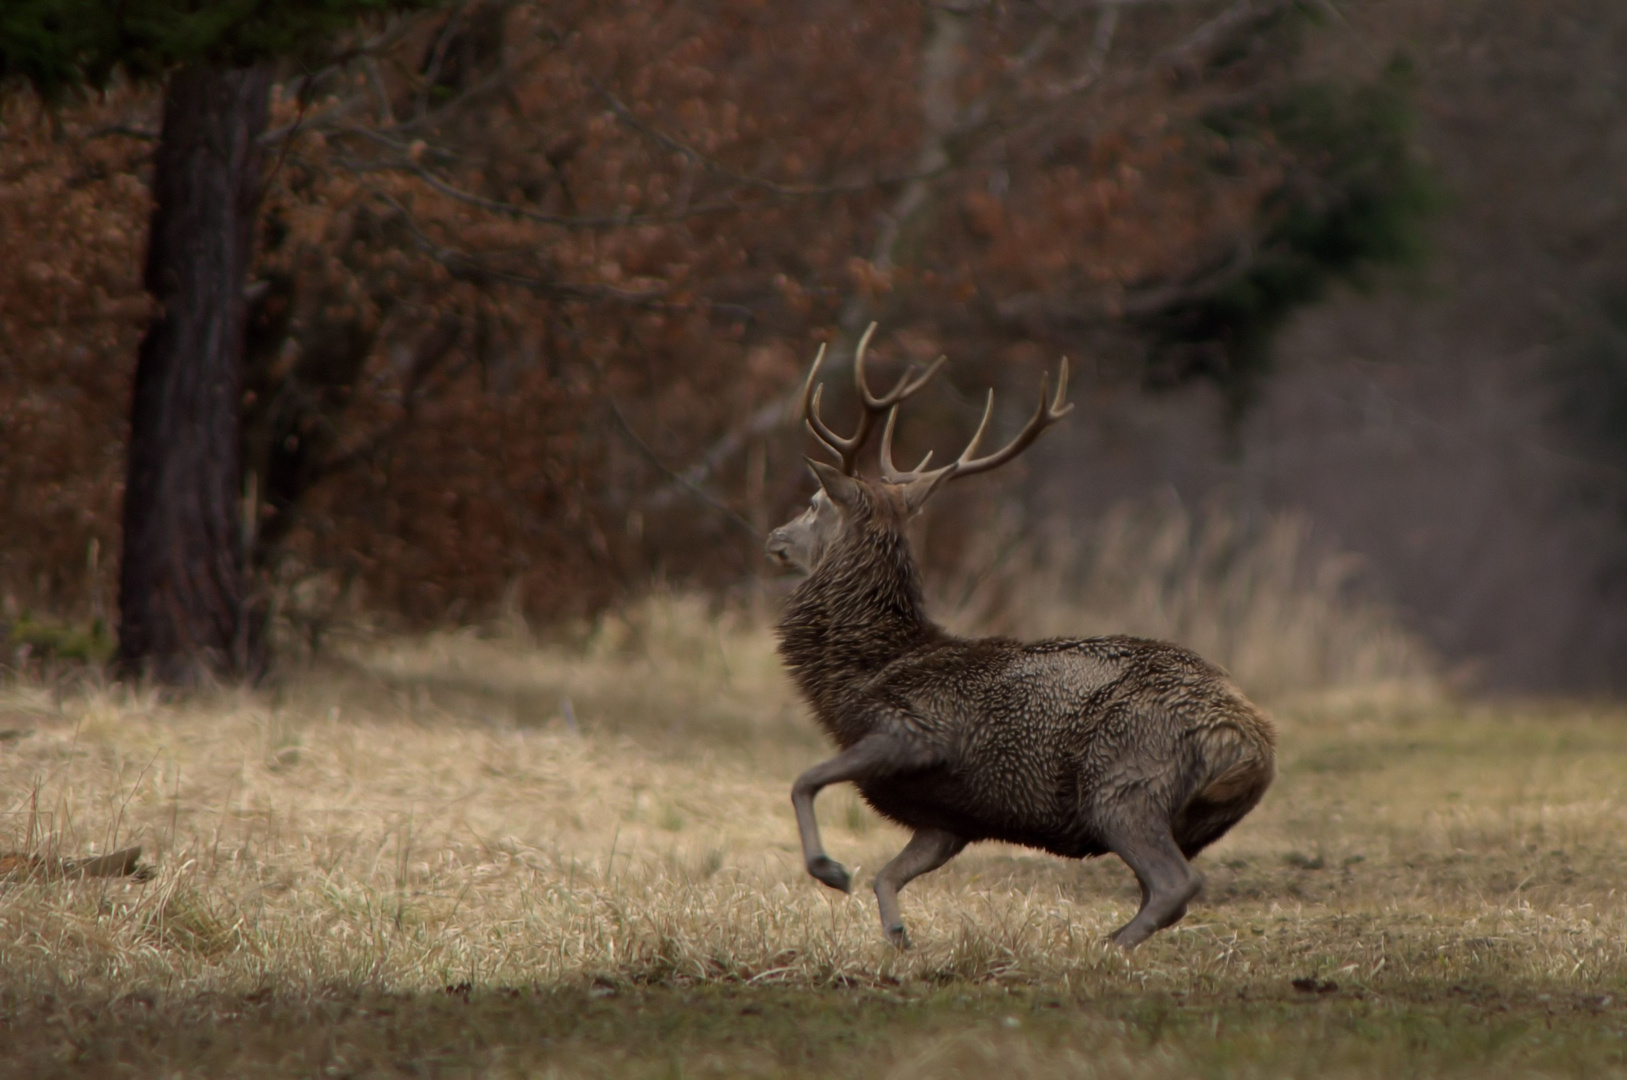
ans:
(871, 757)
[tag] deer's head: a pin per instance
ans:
(846, 500)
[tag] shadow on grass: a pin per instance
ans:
(1298, 1027)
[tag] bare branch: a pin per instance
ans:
(739, 179)
(949, 131)
(767, 418)
(525, 213)
(700, 494)
(334, 117)
(405, 164)
(375, 80)
(471, 267)
(1211, 33)
(443, 41)
(126, 131)
(1107, 24)
(942, 59)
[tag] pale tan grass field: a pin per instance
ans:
(593, 847)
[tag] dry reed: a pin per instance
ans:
(1281, 611)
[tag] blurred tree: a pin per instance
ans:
(536, 281)
(1589, 382)
(183, 616)
(1352, 198)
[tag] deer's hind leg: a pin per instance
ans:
(927, 850)
(1168, 882)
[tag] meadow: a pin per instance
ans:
(473, 854)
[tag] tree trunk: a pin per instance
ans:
(181, 590)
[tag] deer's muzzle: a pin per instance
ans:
(778, 547)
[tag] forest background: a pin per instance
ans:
(537, 284)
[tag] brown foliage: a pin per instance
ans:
(73, 209)
(519, 260)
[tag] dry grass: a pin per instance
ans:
(1264, 599)
(618, 893)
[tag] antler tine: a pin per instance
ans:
(1050, 410)
(983, 426)
(1047, 413)
(888, 472)
(847, 449)
(909, 384)
(813, 373)
(810, 415)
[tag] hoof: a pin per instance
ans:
(1129, 936)
(896, 937)
(832, 873)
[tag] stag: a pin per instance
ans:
(1078, 747)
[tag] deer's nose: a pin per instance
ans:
(778, 545)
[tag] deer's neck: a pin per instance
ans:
(860, 611)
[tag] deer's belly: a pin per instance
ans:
(939, 800)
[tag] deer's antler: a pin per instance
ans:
(847, 449)
(1049, 412)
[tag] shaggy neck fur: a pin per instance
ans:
(858, 612)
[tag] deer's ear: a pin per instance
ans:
(842, 489)
(917, 492)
